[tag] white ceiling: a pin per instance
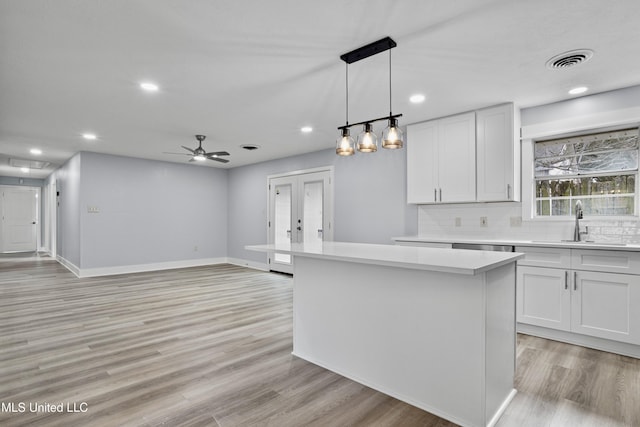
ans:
(251, 72)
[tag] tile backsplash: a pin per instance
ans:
(505, 221)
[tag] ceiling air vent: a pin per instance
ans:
(250, 147)
(31, 164)
(569, 59)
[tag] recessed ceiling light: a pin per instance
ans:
(578, 90)
(417, 98)
(35, 151)
(25, 170)
(306, 129)
(149, 87)
(89, 136)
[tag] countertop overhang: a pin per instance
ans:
(457, 261)
(527, 243)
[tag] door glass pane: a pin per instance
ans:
(282, 220)
(313, 215)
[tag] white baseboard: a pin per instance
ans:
(69, 265)
(141, 268)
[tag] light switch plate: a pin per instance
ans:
(484, 222)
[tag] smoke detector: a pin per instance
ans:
(569, 59)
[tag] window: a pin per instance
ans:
(600, 169)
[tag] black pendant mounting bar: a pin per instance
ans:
(368, 50)
(347, 126)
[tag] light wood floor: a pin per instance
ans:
(211, 346)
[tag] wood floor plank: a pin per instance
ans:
(211, 346)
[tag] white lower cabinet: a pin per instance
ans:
(593, 303)
(606, 305)
(543, 297)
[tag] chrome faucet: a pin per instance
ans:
(577, 232)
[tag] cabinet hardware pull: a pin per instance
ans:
(441, 194)
(508, 191)
(575, 280)
(435, 194)
(566, 280)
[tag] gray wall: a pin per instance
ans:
(369, 198)
(584, 105)
(149, 211)
(27, 182)
(68, 215)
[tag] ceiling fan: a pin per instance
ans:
(199, 154)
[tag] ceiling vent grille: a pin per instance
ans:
(250, 147)
(569, 59)
(31, 164)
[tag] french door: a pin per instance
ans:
(300, 211)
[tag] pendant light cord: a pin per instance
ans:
(390, 110)
(346, 81)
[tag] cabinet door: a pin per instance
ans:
(422, 162)
(457, 158)
(543, 297)
(496, 144)
(606, 305)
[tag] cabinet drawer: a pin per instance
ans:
(606, 261)
(545, 257)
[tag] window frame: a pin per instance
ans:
(566, 129)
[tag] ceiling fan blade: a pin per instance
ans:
(179, 154)
(217, 153)
(218, 159)
(189, 149)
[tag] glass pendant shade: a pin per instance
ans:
(345, 146)
(367, 140)
(392, 136)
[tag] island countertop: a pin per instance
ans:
(457, 261)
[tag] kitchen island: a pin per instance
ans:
(432, 327)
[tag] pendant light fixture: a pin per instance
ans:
(392, 136)
(345, 146)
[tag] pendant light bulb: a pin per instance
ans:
(392, 136)
(367, 140)
(345, 144)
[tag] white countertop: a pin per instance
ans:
(532, 243)
(458, 261)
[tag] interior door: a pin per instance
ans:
(19, 219)
(300, 211)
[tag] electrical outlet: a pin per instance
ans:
(195, 249)
(93, 209)
(483, 221)
(458, 221)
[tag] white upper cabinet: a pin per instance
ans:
(498, 154)
(422, 162)
(470, 157)
(441, 160)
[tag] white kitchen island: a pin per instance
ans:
(432, 327)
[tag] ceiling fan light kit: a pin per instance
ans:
(392, 136)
